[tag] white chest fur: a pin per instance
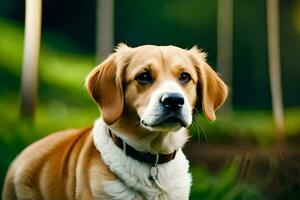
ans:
(173, 180)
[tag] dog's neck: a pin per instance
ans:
(152, 142)
(135, 178)
(146, 157)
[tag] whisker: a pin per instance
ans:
(196, 130)
(204, 132)
(198, 125)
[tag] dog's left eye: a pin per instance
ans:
(184, 77)
(144, 78)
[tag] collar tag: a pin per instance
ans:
(154, 169)
(154, 173)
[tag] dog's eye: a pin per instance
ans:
(184, 77)
(144, 78)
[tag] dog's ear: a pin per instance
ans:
(104, 88)
(104, 83)
(212, 90)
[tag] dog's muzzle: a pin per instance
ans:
(170, 111)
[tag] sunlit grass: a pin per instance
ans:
(222, 185)
(56, 68)
(255, 126)
(11, 46)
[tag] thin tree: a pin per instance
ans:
(224, 32)
(274, 65)
(105, 28)
(29, 80)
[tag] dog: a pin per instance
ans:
(147, 96)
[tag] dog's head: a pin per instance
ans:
(155, 88)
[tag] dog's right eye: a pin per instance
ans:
(144, 78)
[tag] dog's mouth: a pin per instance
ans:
(171, 121)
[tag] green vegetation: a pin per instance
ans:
(251, 126)
(222, 186)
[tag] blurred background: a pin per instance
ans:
(243, 155)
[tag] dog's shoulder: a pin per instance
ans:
(56, 159)
(58, 143)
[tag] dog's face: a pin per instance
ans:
(161, 86)
(155, 88)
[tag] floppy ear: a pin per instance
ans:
(104, 88)
(213, 91)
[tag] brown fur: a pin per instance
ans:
(57, 167)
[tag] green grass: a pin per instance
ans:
(222, 185)
(251, 126)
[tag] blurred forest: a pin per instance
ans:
(68, 54)
(70, 26)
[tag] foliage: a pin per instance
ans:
(245, 125)
(222, 186)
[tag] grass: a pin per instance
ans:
(63, 103)
(221, 186)
(251, 126)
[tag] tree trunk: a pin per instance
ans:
(105, 28)
(274, 66)
(29, 80)
(225, 26)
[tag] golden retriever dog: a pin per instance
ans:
(147, 96)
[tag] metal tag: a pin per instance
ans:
(154, 173)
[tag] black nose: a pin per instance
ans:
(172, 101)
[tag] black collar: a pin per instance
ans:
(145, 157)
